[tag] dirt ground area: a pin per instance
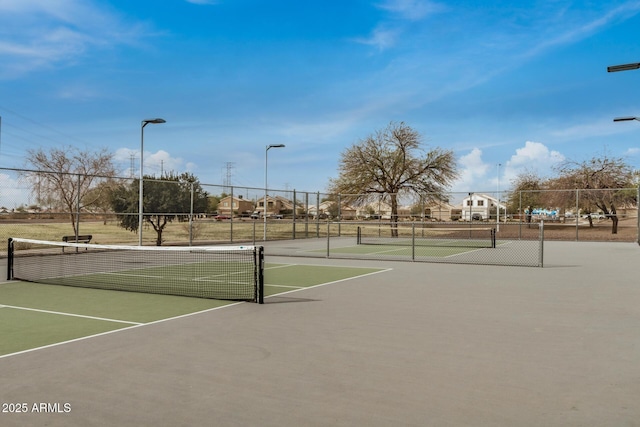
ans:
(599, 232)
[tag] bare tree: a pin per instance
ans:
(608, 182)
(391, 163)
(67, 177)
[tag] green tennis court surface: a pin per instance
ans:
(35, 315)
(404, 250)
(204, 280)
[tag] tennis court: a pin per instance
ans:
(397, 343)
(34, 315)
(499, 252)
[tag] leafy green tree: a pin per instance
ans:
(392, 163)
(213, 203)
(527, 193)
(163, 201)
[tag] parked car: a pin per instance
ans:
(221, 217)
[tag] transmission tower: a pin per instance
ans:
(228, 173)
(132, 165)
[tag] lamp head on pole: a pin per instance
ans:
(153, 121)
(624, 67)
(275, 146)
(626, 119)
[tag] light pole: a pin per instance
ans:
(627, 67)
(264, 202)
(628, 119)
(140, 190)
(498, 207)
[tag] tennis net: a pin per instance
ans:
(218, 272)
(409, 235)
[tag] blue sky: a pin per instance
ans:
(522, 84)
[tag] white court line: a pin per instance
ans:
(139, 325)
(385, 251)
(285, 286)
(329, 283)
(282, 266)
(131, 275)
(71, 314)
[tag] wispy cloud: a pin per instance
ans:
(412, 10)
(571, 29)
(386, 33)
(381, 38)
(203, 2)
(36, 34)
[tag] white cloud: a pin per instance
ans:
(161, 162)
(15, 192)
(535, 153)
(535, 157)
(478, 175)
(473, 170)
(154, 163)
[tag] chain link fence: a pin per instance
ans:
(327, 224)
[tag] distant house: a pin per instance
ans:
(276, 205)
(328, 209)
(478, 207)
(375, 210)
(234, 205)
(440, 211)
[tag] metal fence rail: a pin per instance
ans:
(27, 211)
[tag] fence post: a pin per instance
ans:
(339, 215)
(78, 210)
(306, 217)
(413, 241)
(577, 213)
(541, 244)
(230, 215)
(328, 236)
(638, 213)
(191, 218)
(295, 205)
(318, 214)
(520, 213)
